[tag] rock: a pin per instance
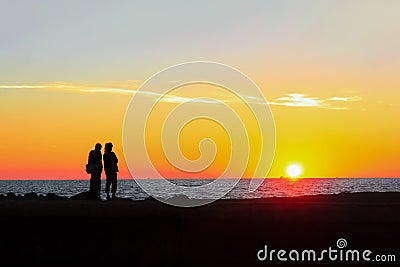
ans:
(12, 196)
(120, 199)
(52, 196)
(150, 198)
(185, 201)
(32, 196)
(84, 196)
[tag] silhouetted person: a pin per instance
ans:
(111, 169)
(95, 166)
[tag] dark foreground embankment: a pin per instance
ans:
(63, 232)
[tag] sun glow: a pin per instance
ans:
(294, 170)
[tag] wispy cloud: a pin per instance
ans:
(32, 86)
(344, 99)
(303, 100)
(297, 100)
(107, 90)
(131, 88)
(120, 88)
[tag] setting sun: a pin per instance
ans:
(294, 170)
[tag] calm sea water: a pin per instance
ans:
(269, 188)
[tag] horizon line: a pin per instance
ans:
(286, 178)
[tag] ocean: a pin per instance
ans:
(269, 188)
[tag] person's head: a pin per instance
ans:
(98, 146)
(108, 147)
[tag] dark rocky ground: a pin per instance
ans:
(50, 230)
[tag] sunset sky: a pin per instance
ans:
(329, 70)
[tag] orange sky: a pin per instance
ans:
(50, 131)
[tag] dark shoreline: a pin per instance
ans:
(227, 232)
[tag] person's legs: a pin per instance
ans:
(98, 187)
(108, 184)
(114, 185)
(95, 184)
(92, 186)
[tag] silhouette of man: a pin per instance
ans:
(111, 169)
(96, 164)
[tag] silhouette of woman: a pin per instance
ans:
(95, 165)
(111, 169)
